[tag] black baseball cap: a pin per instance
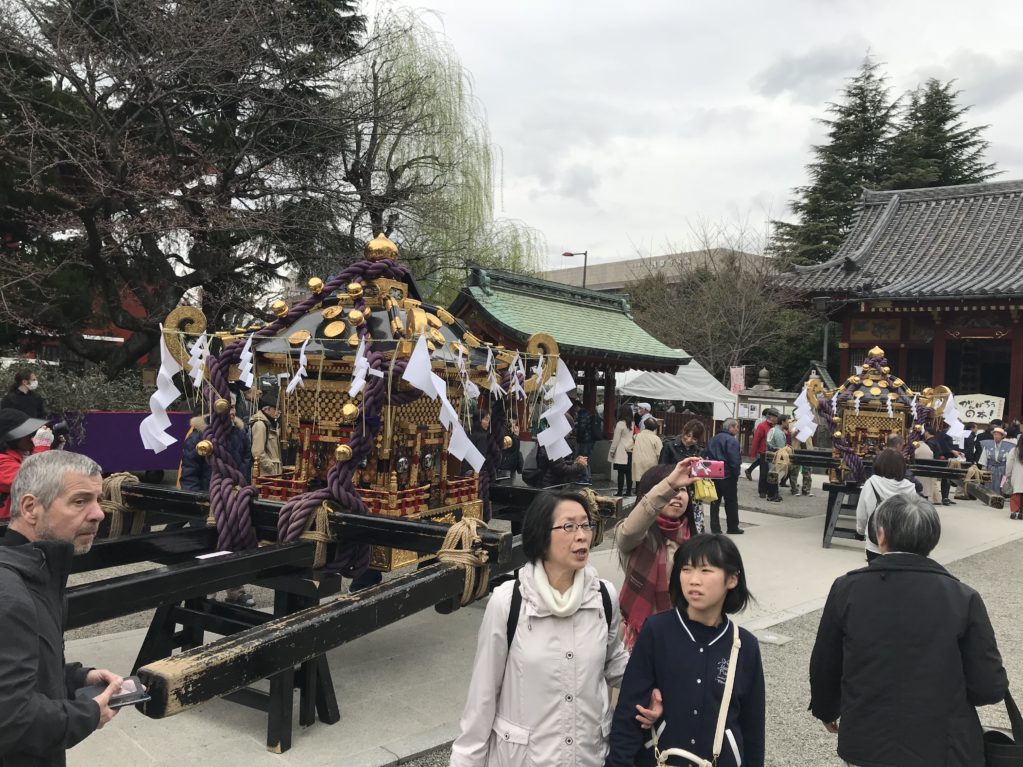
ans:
(14, 424)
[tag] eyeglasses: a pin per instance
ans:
(571, 527)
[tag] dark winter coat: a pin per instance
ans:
(903, 654)
(196, 471)
(28, 402)
(724, 447)
(688, 662)
(38, 717)
(673, 451)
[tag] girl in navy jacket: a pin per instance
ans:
(684, 652)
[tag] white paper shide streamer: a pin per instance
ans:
(472, 391)
(496, 389)
(558, 404)
(420, 374)
(300, 374)
(153, 429)
(197, 359)
(806, 425)
(956, 428)
(245, 374)
(518, 375)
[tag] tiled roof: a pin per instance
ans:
(583, 322)
(947, 242)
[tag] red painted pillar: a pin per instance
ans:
(938, 366)
(1014, 404)
(590, 389)
(610, 403)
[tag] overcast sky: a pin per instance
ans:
(621, 126)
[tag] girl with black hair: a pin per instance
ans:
(647, 539)
(688, 654)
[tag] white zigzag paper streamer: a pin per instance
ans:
(300, 374)
(153, 429)
(245, 374)
(197, 359)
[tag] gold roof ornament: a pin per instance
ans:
(204, 448)
(299, 337)
(355, 288)
(221, 406)
(332, 312)
(876, 352)
(315, 285)
(380, 248)
(279, 307)
(334, 329)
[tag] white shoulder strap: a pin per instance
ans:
(726, 696)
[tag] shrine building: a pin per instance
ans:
(935, 277)
(596, 333)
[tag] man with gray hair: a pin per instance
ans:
(905, 652)
(55, 514)
(724, 447)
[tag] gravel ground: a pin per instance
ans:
(796, 739)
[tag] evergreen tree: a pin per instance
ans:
(932, 146)
(860, 129)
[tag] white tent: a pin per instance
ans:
(692, 383)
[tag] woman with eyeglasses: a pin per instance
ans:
(548, 650)
(647, 539)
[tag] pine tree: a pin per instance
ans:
(856, 155)
(932, 146)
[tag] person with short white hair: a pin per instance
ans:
(905, 652)
(643, 415)
(55, 514)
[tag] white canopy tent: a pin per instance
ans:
(692, 383)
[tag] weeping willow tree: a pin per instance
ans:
(420, 161)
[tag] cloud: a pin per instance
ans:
(985, 80)
(814, 76)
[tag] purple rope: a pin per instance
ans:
(231, 493)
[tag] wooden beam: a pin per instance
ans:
(126, 594)
(193, 677)
(163, 547)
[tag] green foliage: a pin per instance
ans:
(854, 156)
(932, 146)
(68, 391)
(875, 143)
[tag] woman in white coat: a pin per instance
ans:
(620, 454)
(541, 698)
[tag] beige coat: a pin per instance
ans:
(632, 530)
(646, 451)
(931, 489)
(544, 702)
(621, 444)
(266, 446)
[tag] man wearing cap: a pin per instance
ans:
(55, 515)
(266, 437)
(994, 453)
(642, 415)
(21, 436)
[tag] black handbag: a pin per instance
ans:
(1000, 749)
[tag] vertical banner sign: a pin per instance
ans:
(737, 378)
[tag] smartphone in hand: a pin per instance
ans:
(709, 469)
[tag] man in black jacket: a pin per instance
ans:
(55, 514)
(905, 652)
(944, 449)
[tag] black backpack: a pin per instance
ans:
(516, 608)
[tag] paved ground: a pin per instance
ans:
(402, 688)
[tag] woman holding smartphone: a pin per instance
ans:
(647, 539)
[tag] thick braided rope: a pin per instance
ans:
(231, 495)
(461, 548)
(112, 503)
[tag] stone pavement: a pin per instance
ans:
(402, 688)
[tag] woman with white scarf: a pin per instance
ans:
(540, 695)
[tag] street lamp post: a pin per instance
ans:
(585, 254)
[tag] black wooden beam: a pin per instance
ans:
(397, 532)
(164, 547)
(114, 597)
(181, 681)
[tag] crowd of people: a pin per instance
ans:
(556, 639)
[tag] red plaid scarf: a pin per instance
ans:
(645, 590)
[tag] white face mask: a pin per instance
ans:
(33, 385)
